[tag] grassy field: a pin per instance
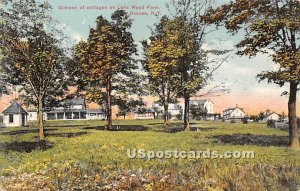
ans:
(80, 155)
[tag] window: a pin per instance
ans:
(11, 118)
(60, 115)
(50, 116)
(69, 115)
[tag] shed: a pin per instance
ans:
(14, 115)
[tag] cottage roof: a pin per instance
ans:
(74, 101)
(232, 109)
(200, 102)
(14, 108)
(268, 115)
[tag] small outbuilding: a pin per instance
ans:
(14, 115)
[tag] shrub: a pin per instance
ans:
(271, 123)
(245, 120)
(179, 116)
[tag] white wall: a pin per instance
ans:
(274, 116)
(95, 116)
(237, 113)
(209, 106)
(143, 116)
(16, 122)
(32, 116)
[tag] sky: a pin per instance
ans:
(236, 73)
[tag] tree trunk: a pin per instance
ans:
(40, 118)
(293, 134)
(108, 105)
(166, 108)
(186, 120)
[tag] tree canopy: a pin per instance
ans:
(272, 27)
(106, 57)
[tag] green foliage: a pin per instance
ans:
(126, 105)
(105, 59)
(32, 56)
(270, 25)
(197, 111)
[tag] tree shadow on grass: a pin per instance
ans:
(25, 131)
(178, 128)
(162, 123)
(258, 140)
(25, 146)
(203, 129)
(67, 135)
(65, 126)
(120, 128)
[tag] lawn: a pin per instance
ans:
(80, 155)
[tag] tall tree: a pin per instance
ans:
(3, 80)
(273, 25)
(193, 65)
(162, 52)
(106, 56)
(33, 56)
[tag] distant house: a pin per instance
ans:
(204, 104)
(71, 109)
(207, 106)
(14, 115)
(146, 114)
(235, 113)
(175, 110)
(269, 115)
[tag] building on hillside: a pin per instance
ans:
(235, 113)
(14, 115)
(71, 109)
(205, 107)
(270, 115)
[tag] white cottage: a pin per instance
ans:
(174, 110)
(268, 115)
(206, 104)
(14, 115)
(235, 113)
(144, 114)
(71, 109)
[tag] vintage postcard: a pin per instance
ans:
(149, 95)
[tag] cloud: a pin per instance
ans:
(74, 35)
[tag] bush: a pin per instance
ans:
(271, 123)
(179, 116)
(245, 120)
